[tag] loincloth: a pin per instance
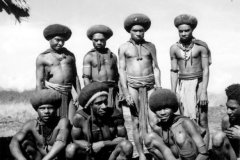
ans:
(143, 81)
(189, 93)
(65, 91)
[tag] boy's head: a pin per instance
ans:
(164, 103)
(233, 102)
(57, 34)
(46, 102)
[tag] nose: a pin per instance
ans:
(162, 111)
(46, 110)
(229, 111)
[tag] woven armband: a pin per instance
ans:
(174, 70)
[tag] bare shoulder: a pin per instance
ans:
(173, 49)
(28, 126)
(63, 123)
(124, 47)
(78, 120)
(225, 118)
(188, 124)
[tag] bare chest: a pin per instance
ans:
(99, 132)
(134, 51)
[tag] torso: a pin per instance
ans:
(137, 67)
(59, 68)
(108, 70)
(234, 143)
(193, 64)
(178, 140)
(40, 140)
(100, 132)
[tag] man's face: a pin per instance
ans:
(137, 33)
(99, 41)
(164, 114)
(57, 43)
(185, 32)
(233, 110)
(46, 112)
(100, 107)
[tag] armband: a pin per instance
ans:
(86, 76)
(174, 70)
(172, 58)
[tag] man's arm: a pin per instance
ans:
(87, 69)
(40, 72)
(156, 70)
(205, 66)
(174, 69)
(77, 84)
(61, 139)
(15, 145)
(122, 74)
(190, 128)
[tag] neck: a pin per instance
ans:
(101, 50)
(137, 42)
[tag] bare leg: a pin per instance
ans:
(123, 151)
(151, 115)
(157, 147)
(71, 111)
(135, 122)
(222, 149)
(203, 122)
(73, 152)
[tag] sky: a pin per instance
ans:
(218, 25)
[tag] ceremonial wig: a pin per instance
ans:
(186, 19)
(137, 19)
(90, 92)
(106, 31)
(233, 92)
(46, 96)
(57, 30)
(163, 98)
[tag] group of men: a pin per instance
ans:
(88, 123)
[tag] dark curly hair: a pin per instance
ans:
(233, 92)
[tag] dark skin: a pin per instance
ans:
(57, 143)
(226, 142)
(200, 62)
(107, 72)
(59, 68)
(128, 64)
(185, 135)
(114, 136)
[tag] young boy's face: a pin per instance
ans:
(57, 43)
(233, 110)
(46, 112)
(164, 114)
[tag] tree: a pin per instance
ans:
(18, 8)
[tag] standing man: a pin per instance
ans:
(139, 74)
(56, 68)
(100, 65)
(190, 60)
(95, 134)
(45, 137)
(226, 143)
(176, 136)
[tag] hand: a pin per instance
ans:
(203, 99)
(75, 102)
(97, 146)
(233, 132)
(129, 100)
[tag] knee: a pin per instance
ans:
(149, 139)
(70, 150)
(126, 147)
(218, 139)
